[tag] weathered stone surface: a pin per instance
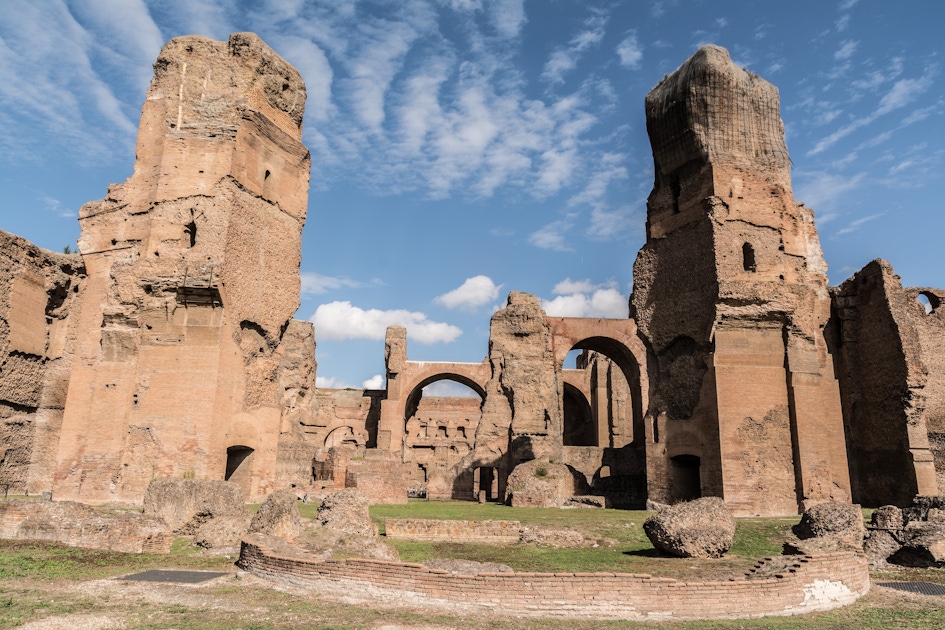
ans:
(837, 520)
(893, 402)
(278, 515)
(539, 483)
(923, 545)
(193, 280)
(730, 294)
(347, 511)
(79, 525)
(703, 528)
(39, 291)
(521, 408)
(185, 504)
(222, 533)
(880, 546)
(331, 543)
(887, 517)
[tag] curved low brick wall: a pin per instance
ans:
(465, 531)
(813, 583)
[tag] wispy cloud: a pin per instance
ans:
(820, 190)
(846, 50)
(316, 284)
(853, 226)
(341, 320)
(553, 236)
(565, 58)
(630, 51)
(474, 292)
(902, 93)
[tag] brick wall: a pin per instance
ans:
(465, 531)
(813, 583)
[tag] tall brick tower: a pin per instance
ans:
(730, 296)
(193, 280)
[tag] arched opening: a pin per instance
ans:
(748, 257)
(929, 301)
(441, 416)
(239, 463)
(685, 482)
(341, 436)
(606, 375)
(580, 429)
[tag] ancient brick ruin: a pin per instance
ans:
(167, 347)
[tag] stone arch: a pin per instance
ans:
(616, 339)
(415, 393)
(341, 435)
(239, 467)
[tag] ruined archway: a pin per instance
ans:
(439, 432)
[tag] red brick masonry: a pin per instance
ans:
(814, 583)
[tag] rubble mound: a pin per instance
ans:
(186, 504)
(923, 545)
(538, 483)
(347, 511)
(703, 528)
(79, 525)
(887, 517)
(223, 533)
(842, 521)
(278, 515)
(466, 567)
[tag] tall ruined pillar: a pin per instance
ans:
(523, 396)
(193, 279)
(730, 295)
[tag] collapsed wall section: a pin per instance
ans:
(191, 363)
(38, 291)
(892, 383)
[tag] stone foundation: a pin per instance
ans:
(814, 583)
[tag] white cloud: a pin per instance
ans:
(341, 320)
(508, 17)
(630, 52)
(855, 225)
(565, 58)
(475, 291)
(451, 389)
(316, 284)
(375, 382)
(846, 50)
(552, 236)
(899, 95)
(574, 286)
(820, 190)
(601, 303)
(330, 382)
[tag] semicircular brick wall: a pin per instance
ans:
(814, 583)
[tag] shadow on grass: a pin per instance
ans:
(647, 553)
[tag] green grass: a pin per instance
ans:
(622, 546)
(48, 561)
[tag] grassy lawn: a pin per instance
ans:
(621, 545)
(40, 580)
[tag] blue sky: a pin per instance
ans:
(462, 149)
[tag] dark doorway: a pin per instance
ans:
(239, 460)
(685, 481)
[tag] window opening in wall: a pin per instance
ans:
(239, 460)
(748, 257)
(674, 187)
(462, 432)
(485, 480)
(190, 231)
(441, 432)
(929, 301)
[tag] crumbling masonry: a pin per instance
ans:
(167, 347)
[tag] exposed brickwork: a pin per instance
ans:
(460, 531)
(813, 583)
